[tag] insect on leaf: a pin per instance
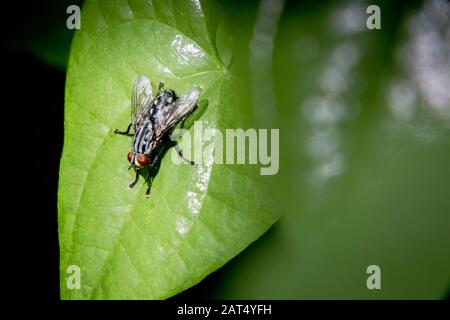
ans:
(127, 246)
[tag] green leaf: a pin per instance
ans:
(197, 219)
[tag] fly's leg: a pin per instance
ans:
(160, 86)
(150, 177)
(180, 153)
(149, 182)
(175, 138)
(131, 185)
(125, 133)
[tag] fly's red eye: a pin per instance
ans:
(142, 159)
(130, 156)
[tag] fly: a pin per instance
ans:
(153, 120)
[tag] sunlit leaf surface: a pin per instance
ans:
(197, 219)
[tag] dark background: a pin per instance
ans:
(35, 136)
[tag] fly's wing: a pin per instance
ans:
(141, 96)
(183, 106)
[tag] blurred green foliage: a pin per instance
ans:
(364, 179)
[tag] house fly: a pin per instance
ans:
(153, 120)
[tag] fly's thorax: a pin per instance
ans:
(167, 97)
(164, 106)
(163, 100)
(143, 138)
